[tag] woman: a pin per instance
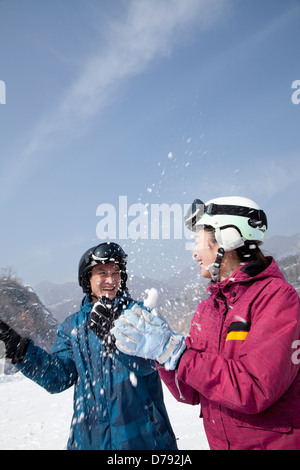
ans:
(118, 401)
(238, 362)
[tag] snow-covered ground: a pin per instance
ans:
(32, 419)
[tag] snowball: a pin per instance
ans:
(152, 296)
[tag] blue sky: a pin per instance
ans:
(161, 101)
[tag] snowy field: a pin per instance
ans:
(32, 419)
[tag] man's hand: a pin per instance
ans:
(15, 345)
(101, 321)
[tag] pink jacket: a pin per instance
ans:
(241, 362)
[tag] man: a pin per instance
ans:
(118, 400)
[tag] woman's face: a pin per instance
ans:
(206, 251)
(105, 280)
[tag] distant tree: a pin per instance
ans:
(21, 308)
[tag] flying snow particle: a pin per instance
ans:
(170, 155)
(238, 318)
(133, 379)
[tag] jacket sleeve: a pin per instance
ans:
(54, 372)
(181, 391)
(264, 369)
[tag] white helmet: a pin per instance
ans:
(237, 221)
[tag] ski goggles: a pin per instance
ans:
(257, 217)
(109, 252)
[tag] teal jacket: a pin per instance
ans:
(118, 399)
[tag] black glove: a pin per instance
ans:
(15, 345)
(101, 321)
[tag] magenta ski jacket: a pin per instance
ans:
(242, 362)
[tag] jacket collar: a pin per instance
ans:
(234, 286)
(120, 301)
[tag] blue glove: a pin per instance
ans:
(139, 332)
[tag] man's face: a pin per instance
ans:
(105, 280)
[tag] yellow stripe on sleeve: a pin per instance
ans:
(237, 335)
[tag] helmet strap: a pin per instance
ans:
(214, 268)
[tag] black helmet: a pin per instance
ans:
(104, 253)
